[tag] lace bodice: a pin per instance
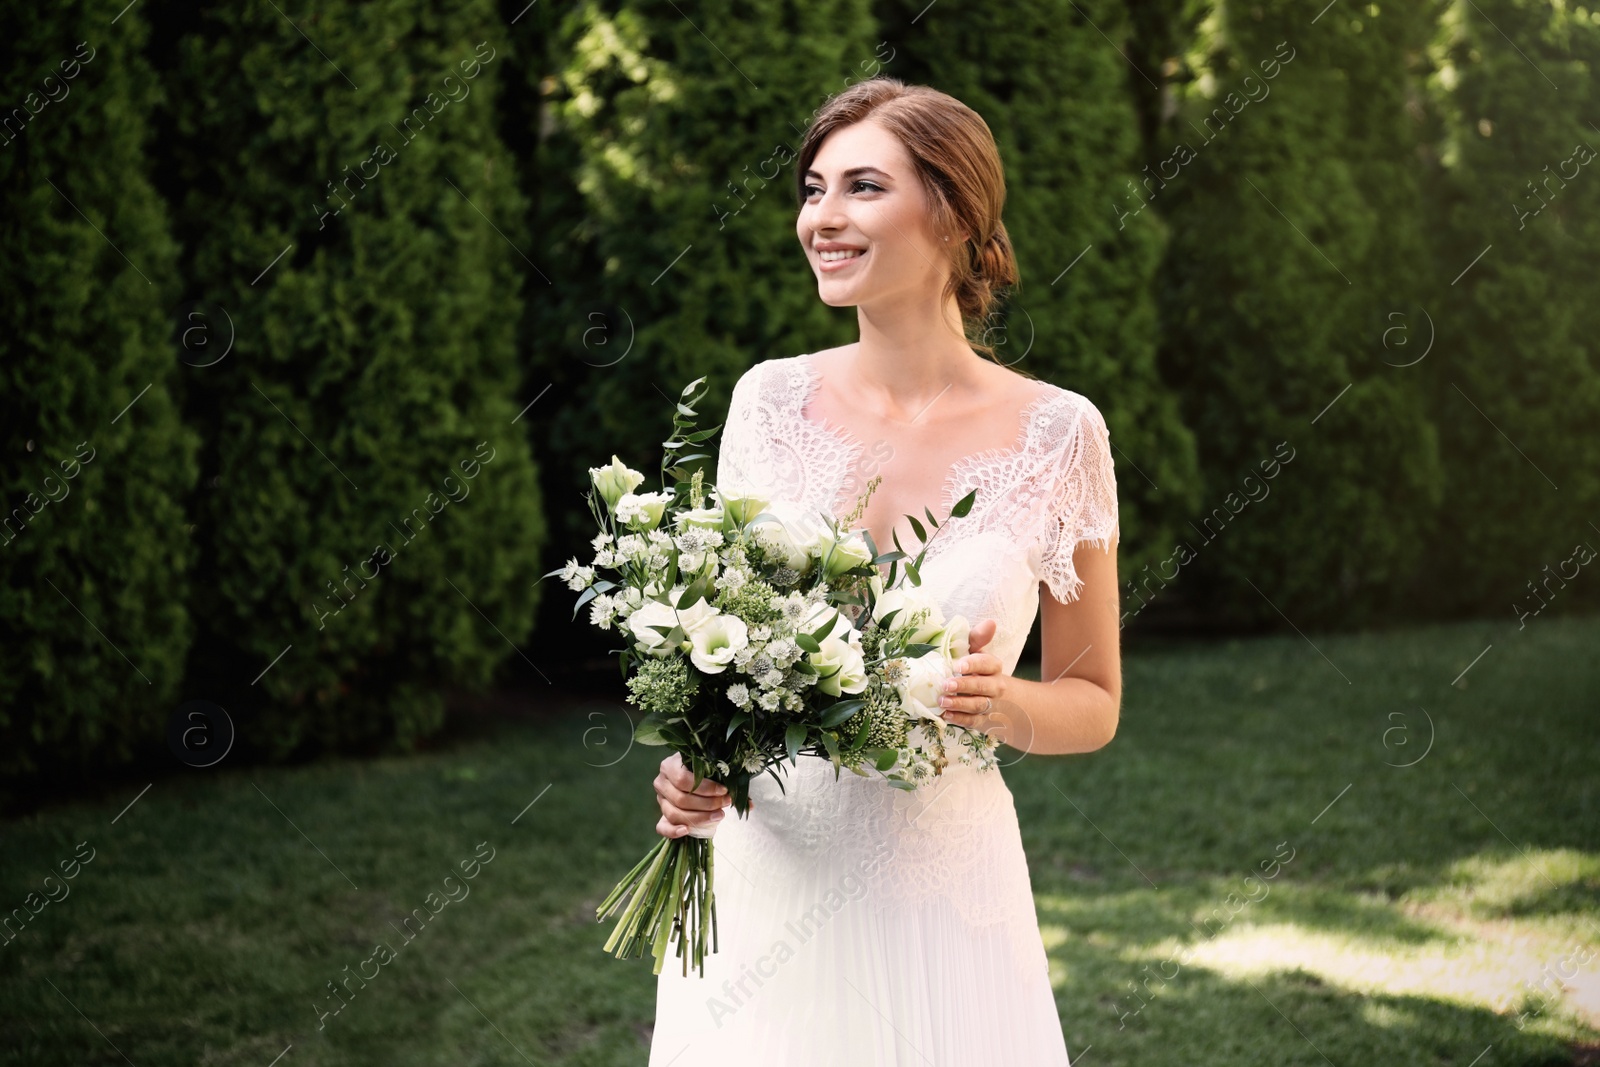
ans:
(1036, 501)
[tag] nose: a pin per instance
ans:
(827, 213)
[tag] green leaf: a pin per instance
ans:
(793, 738)
(807, 642)
(648, 732)
(888, 758)
(831, 743)
(922, 534)
(840, 712)
(963, 505)
(736, 722)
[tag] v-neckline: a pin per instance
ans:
(853, 447)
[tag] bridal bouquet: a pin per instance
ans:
(757, 632)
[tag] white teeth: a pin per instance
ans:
(834, 257)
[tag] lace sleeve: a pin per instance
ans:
(740, 445)
(1083, 502)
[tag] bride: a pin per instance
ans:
(858, 923)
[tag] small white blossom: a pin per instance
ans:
(577, 576)
(739, 693)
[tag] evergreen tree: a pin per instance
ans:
(370, 518)
(1515, 378)
(94, 553)
(1057, 99)
(1292, 187)
(665, 207)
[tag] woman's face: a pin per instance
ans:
(863, 196)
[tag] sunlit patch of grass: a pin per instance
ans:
(1534, 882)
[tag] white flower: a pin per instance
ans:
(642, 510)
(577, 576)
(953, 640)
(733, 578)
(783, 651)
(701, 518)
(920, 692)
(695, 615)
(600, 609)
(742, 507)
(796, 535)
(715, 641)
(601, 540)
(847, 552)
(739, 693)
(653, 613)
(614, 481)
(918, 612)
(845, 661)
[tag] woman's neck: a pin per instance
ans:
(904, 366)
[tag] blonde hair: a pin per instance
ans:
(959, 166)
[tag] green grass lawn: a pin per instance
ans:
(1409, 914)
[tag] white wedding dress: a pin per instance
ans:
(858, 923)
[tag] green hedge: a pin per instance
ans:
(1515, 370)
(94, 551)
(1288, 176)
(667, 215)
(370, 510)
(1084, 317)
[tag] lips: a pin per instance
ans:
(841, 262)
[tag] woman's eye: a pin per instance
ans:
(870, 185)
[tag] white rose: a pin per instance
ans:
(642, 511)
(614, 481)
(653, 613)
(716, 641)
(704, 518)
(952, 641)
(741, 507)
(920, 692)
(847, 552)
(797, 535)
(842, 665)
(908, 602)
(695, 615)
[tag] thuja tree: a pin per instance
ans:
(666, 211)
(1290, 180)
(94, 554)
(1057, 98)
(370, 517)
(1515, 379)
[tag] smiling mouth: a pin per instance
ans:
(838, 259)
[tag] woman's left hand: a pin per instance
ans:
(979, 686)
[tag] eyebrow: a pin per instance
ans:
(853, 172)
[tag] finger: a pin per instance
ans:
(981, 634)
(683, 778)
(676, 817)
(963, 685)
(965, 705)
(669, 792)
(978, 663)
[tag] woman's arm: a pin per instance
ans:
(1076, 704)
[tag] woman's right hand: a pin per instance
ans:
(681, 809)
